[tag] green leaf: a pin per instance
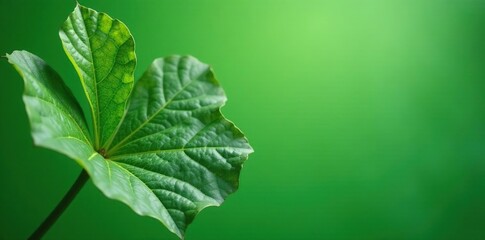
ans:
(55, 116)
(102, 51)
(169, 154)
(177, 142)
(58, 124)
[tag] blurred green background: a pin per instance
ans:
(367, 117)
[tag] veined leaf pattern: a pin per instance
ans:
(167, 154)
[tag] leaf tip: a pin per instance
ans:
(8, 56)
(78, 5)
(251, 149)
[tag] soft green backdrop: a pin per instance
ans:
(367, 117)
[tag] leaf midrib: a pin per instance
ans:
(114, 157)
(108, 161)
(120, 164)
(95, 114)
(120, 144)
(96, 127)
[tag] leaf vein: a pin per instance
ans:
(149, 119)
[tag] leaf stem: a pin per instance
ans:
(61, 206)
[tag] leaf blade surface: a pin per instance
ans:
(57, 123)
(102, 51)
(56, 119)
(167, 154)
(175, 139)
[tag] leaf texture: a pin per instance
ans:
(102, 51)
(58, 124)
(165, 150)
(175, 139)
(56, 118)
